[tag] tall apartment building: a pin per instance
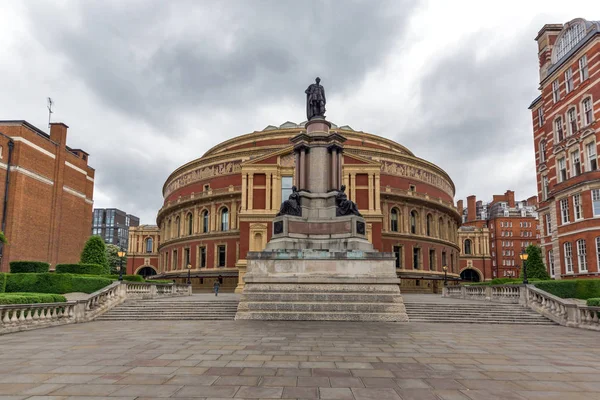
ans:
(565, 132)
(47, 209)
(497, 231)
(113, 225)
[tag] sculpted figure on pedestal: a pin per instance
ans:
(292, 205)
(315, 100)
(345, 206)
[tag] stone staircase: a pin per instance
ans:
(188, 308)
(474, 312)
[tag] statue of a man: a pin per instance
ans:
(315, 100)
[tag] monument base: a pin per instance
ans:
(310, 285)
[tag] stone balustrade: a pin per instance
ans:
(561, 311)
(20, 317)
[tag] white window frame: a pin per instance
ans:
(542, 151)
(591, 156)
(596, 202)
(598, 253)
(581, 255)
(559, 132)
(575, 163)
(540, 113)
(568, 247)
(568, 80)
(564, 211)
(556, 91)
(561, 165)
(587, 119)
(572, 121)
(551, 262)
(583, 68)
(577, 209)
(545, 184)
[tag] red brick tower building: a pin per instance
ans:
(47, 210)
(565, 130)
(494, 234)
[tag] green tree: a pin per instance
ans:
(113, 258)
(535, 264)
(94, 252)
(3, 239)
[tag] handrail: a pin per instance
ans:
(559, 310)
(20, 317)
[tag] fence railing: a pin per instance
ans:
(20, 317)
(561, 311)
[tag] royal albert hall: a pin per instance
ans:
(220, 206)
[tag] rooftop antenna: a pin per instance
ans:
(50, 103)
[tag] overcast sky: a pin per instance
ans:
(146, 86)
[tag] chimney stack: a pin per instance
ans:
(58, 133)
(510, 198)
(459, 207)
(471, 211)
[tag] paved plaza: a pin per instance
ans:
(306, 360)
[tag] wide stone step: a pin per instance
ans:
(167, 318)
(325, 297)
(477, 321)
(326, 307)
(316, 316)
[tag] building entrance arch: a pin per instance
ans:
(146, 271)
(470, 275)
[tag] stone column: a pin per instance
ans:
(297, 169)
(233, 215)
(371, 193)
(353, 187)
(377, 193)
(250, 191)
(277, 191)
(268, 191)
(302, 169)
(333, 168)
(213, 217)
(244, 192)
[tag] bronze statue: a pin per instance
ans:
(315, 100)
(345, 206)
(292, 205)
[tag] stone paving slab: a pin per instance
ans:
(138, 360)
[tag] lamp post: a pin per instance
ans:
(189, 268)
(121, 255)
(445, 268)
(523, 257)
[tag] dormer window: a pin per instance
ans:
(568, 39)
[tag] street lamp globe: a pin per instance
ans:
(523, 256)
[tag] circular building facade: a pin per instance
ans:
(220, 206)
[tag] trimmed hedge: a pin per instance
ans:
(3, 282)
(593, 302)
(572, 288)
(81, 269)
(130, 278)
(30, 298)
(54, 283)
(21, 267)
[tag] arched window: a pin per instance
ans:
(394, 220)
(467, 246)
(190, 224)
(205, 221)
(413, 221)
(429, 224)
(224, 219)
(569, 37)
(441, 225)
(149, 245)
(178, 227)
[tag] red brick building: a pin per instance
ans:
(220, 206)
(142, 250)
(47, 210)
(494, 234)
(565, 130)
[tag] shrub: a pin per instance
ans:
(114, 261)
(54, 283)
(20, 267)
(129, 278)
(2, 282)
(572, 288)
(31, 298)
(535, 264)
(80, 269)
(595, 302)
(94, 252)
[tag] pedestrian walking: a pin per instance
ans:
(216, 286)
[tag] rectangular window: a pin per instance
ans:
(564, 210)
(202, 250)
(568, 258)
(596, 202)
(444, 258)
(569, 80)
(543, 151)
(416, 257)
(431, 260)
(598, 253)
(587, 112)
(577, 207)
(558, 129)
(544, 187)
(583, 68)
(562, 170)
(572, 121)
(540, 117)
(581, 256)
(592, 160)
(175, 263)
(221, 260)
(556, 91)
(575, 163)
(286, 187)
(186, 257)
(398, 255)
